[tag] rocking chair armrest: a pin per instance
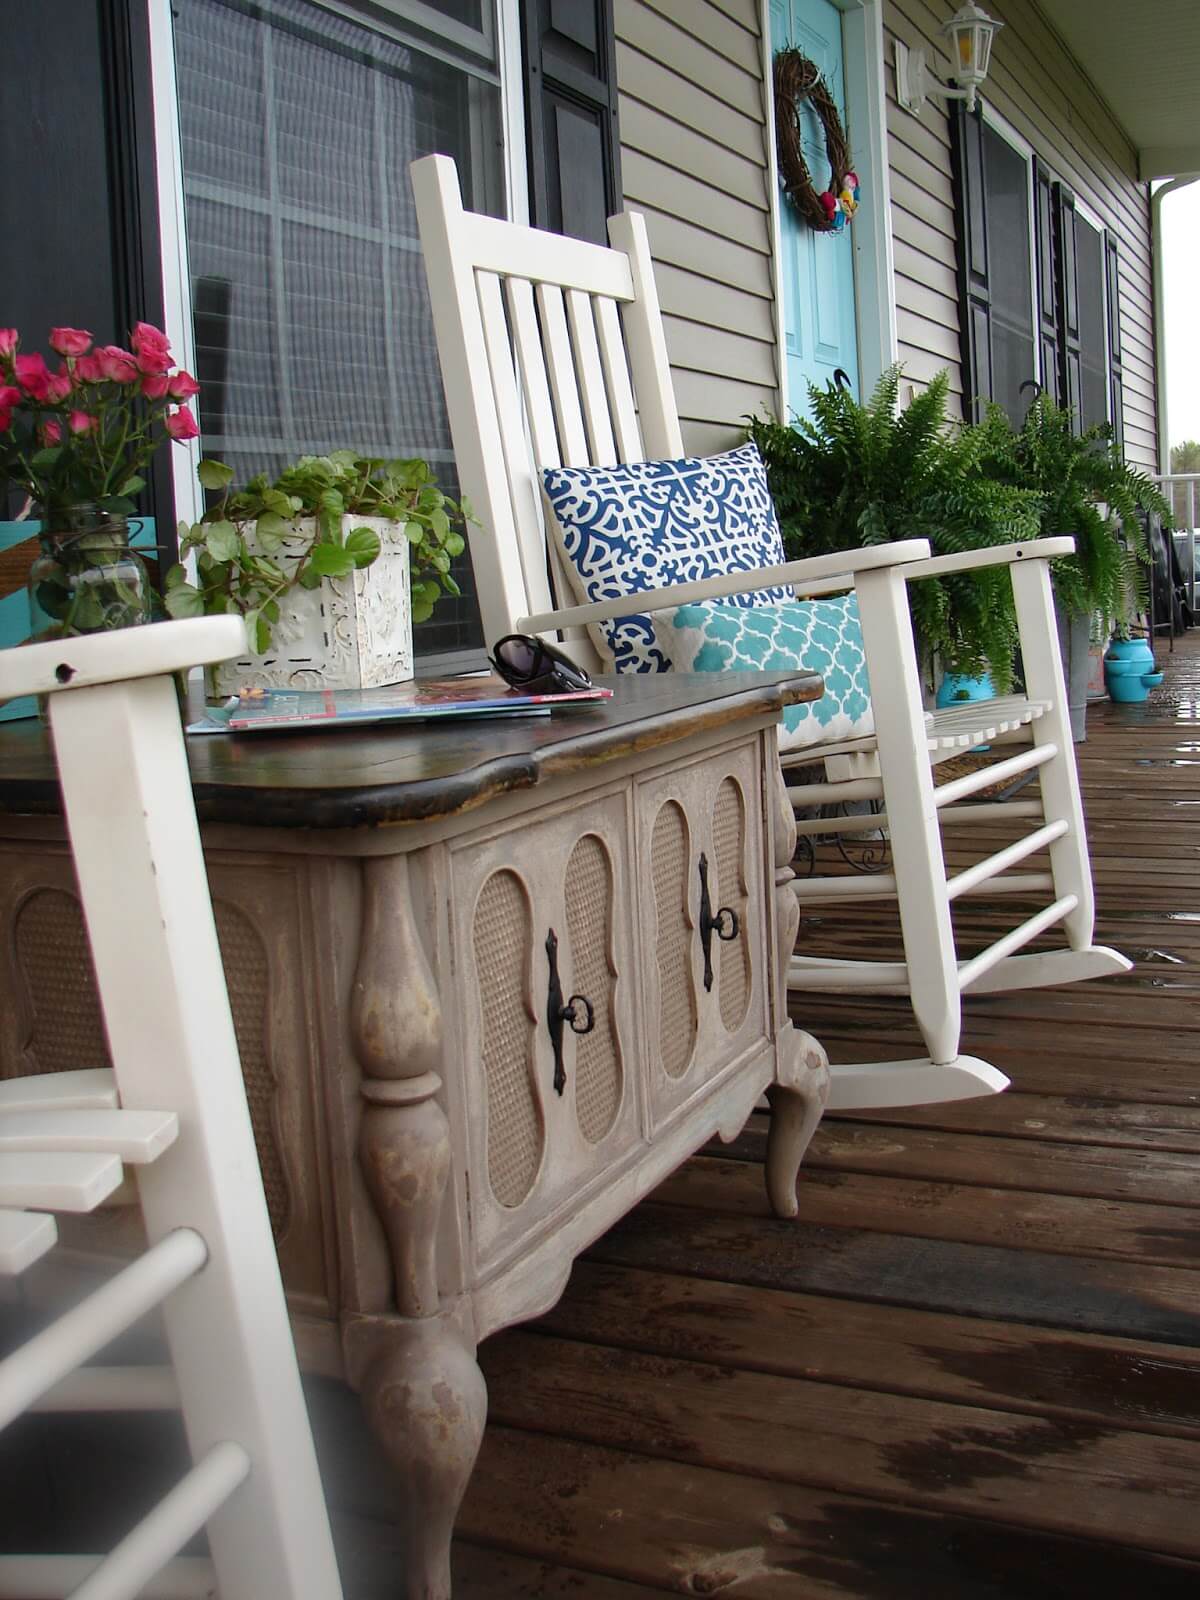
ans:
(147, 652)
(815, 574)
(1000, 555)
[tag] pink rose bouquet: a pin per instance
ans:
(83, 430)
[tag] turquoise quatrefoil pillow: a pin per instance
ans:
(823, 636)
(626, 529)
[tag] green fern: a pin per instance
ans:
(857, 475)
(1075, 475)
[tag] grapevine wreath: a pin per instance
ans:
(796, 79)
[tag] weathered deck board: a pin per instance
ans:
(970, 1367)
(1064, 1119)
(1000, 1365)
(1135, 1173)
(699, 1531)
(1052, 1474)
(967, 1213)
(1126, 1298)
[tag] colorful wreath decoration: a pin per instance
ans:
(796, 79)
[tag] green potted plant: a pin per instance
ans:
(1084, 488)
(858, 475)
(330, 564)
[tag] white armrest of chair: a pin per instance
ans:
(146, 652)
(1000, 555)
(815, 574)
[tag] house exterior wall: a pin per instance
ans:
(694, 161)
(1035, 85)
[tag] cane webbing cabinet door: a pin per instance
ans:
(700, 867)
(543, 924)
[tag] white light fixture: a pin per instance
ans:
(969, 32)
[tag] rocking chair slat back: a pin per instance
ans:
(569, 332)
(560, 364)
(592, 392)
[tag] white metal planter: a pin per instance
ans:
(350, 633)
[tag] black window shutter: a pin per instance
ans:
(571, 116)
(77, 106)
(975, 300)
(1070, 377)
(1114, 343)
(1047, 279)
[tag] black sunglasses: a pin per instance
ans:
(535, 666)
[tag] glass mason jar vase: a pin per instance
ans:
(86, 578)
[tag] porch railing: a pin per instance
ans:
(1182, 489)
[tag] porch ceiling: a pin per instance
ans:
(1144, 58)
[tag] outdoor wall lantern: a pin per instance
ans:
(970, 32)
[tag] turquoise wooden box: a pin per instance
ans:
(18, 548)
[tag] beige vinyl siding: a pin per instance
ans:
(1036, 86)
(694, 161)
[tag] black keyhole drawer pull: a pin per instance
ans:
(723, 922)
(558, 1013)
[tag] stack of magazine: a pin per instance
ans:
(421, 700)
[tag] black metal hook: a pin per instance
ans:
(559, 1012)
(723, 922)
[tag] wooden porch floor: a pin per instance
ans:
(972, 1368)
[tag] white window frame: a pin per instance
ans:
(176, 276)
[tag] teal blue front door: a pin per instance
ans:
(817, 268)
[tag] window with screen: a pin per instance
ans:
(1093, 344)
(1039, 281)
(1006, 177)
(298, 122)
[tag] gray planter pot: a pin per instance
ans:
(1074, 635)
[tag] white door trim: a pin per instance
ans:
(871, 230)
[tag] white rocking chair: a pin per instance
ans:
(553, 354)
(174, 1107)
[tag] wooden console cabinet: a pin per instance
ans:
(491, 984)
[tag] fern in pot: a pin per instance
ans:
(857, 475)
(330, 564)
(1085, 489)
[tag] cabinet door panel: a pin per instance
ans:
(590, 907)
(704, 810)
(674, 939)
(731, 891)
(503, 935)
(541, 1130)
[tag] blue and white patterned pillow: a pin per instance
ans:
(630, 528)
(823, 636)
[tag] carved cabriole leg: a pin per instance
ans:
(799, 1094)
(423, 1393)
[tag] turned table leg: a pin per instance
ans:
(422, 1391)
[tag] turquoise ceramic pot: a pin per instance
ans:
(1129, 672)
(954, 688)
